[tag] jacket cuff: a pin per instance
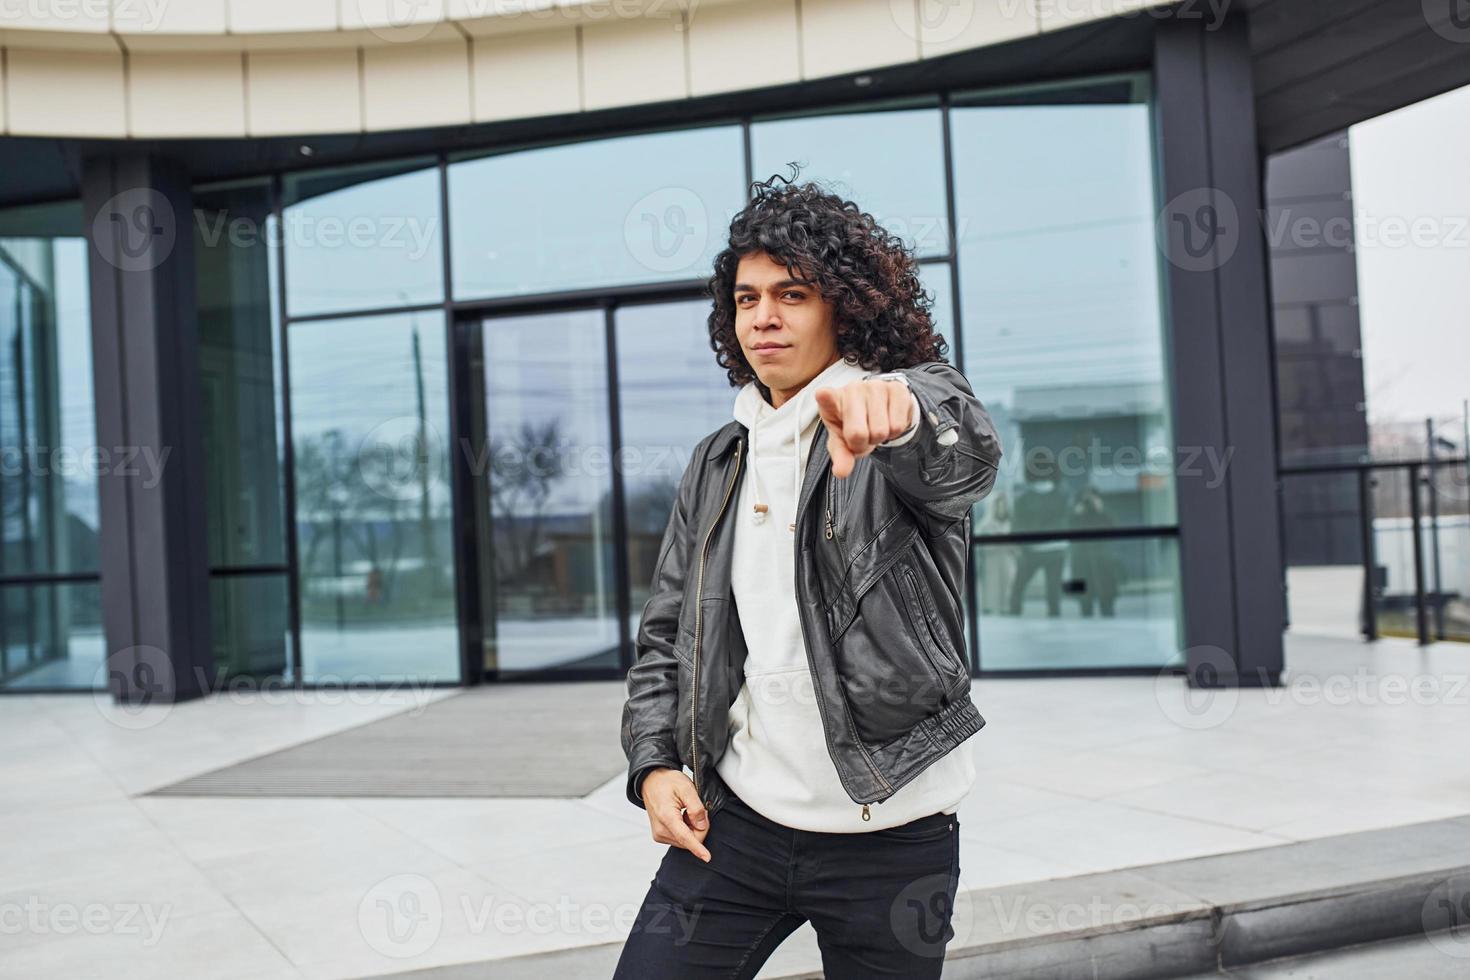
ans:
(915, 419)
(644, 756)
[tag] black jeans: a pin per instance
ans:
(879, 901)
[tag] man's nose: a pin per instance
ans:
(765, 314)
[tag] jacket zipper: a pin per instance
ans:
(816, 687)
(928, 628)
(698, 610)
(831, 503)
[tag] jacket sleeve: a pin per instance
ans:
(652, 707)
(952, 457)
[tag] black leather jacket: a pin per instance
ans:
(880, 569)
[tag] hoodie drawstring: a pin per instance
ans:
(760, 508)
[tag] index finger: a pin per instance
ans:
(685, 837)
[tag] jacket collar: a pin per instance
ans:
(724, 438)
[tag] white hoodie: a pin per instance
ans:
(777, 759)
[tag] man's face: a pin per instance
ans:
(783, 324)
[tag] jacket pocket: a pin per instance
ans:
(890, 678)
(947, 663)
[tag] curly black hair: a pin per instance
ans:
(881, 312)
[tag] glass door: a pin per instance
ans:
(562, 541)
(539, 461)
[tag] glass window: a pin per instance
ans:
(49, 457)
(902, 185)
(935, 277)
(1080, 603)
(51, 636)
(1060, 295)
(369, 435)
(549, 453)
(664, 362)
(239, 338)
(250, 615)
(362, 238)
(634, 209)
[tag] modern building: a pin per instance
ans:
(352, 341)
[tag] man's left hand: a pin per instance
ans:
(860, 415)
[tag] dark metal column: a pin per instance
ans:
(145, 363)
(1212, 238)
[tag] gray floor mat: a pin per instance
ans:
(502, 740)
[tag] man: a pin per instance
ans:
(802, 648)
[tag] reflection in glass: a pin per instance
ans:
(48, 473)
(250, 617)
(891, 163)
(633, 209)
(555, 604)
(1059, 287)
(1111, 602)
(1322, 540)
(369, 430)
(363, 237)
(935, 277)
(664, 359)
(238, 370)
(51, 636)
(239, 338)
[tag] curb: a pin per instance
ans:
(1166, 920)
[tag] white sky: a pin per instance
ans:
(1410, 167)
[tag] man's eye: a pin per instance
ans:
(795, 294)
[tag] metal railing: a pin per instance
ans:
(1430, 596)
